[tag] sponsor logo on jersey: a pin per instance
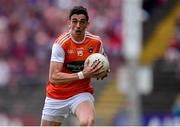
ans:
(75, 66)
(70, 51)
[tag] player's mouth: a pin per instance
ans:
(78, 31)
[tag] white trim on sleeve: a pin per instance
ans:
(57, 54)
(101, 50)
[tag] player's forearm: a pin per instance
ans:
(63, 78)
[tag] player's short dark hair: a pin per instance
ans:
(79, 10)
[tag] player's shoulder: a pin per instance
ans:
(93, 36)
(62, 38)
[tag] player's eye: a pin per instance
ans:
(74, 21)
(82, 22)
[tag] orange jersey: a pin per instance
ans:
(74, 55)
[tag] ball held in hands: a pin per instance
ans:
(104, 61)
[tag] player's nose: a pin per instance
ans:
(78, 25)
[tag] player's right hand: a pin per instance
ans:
(94, 69)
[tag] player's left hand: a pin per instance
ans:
(104, 75)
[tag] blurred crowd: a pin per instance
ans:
(172, 62)
(172, 55)
(28, 29)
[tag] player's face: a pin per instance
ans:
(78, 24)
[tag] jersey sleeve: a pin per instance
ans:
(57, 54)
(101, 50)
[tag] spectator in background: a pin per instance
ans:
(4, 73)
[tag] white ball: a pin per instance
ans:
(97, 56)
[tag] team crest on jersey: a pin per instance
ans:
(79, 51)
(90, 49)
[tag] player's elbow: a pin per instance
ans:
(53, 80)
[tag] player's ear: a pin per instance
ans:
(88, 23)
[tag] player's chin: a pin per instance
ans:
(78, 33)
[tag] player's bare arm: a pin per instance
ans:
(56, 76)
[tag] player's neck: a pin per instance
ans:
(78, 37)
